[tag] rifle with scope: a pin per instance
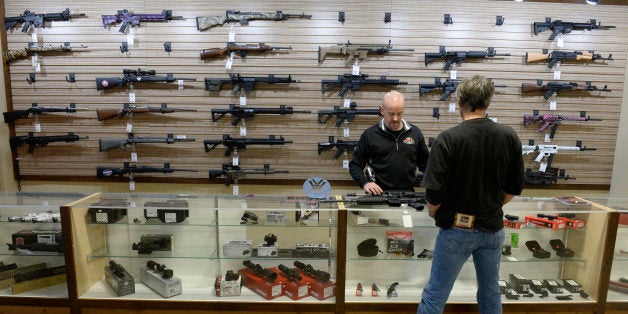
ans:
(341, 145)
(310, 271)
(560, 56)
(353, 51)
(131, 19)
(349, 81)
(136, 76)
(556, 87)
(235, 173)
(291, 274)
(37, 20)
(241, 143)
(458, 57)
(241, 50)
(560, 27)
(128, 110)
(259, 271)
(12, 55)
(345, 114)
(245, 83)
(11, 116)
(245, 113)
(41, 141)
(209, 21)
(106, 144)
(128, 169)
(392, 198)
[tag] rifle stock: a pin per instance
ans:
(536, 56)
(106, 144)
(106, 114)
(109, 82)
(213, 53)
(531, 88)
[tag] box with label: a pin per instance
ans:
(400, 243)
(519, 283)
(166, 287)
(228, 287)
(294, 289)
(545, 222)
(107, 211)
(268, 290)
(238, 248)
(268, 250)
(119, 280)
(320, 290)
(170, 211)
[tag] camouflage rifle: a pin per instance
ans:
(206, 22)
(359, 51)
(33, 48)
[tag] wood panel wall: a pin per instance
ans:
(415, 25)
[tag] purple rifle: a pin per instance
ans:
(550, 120)
(128, 18)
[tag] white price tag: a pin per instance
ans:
(131, 185)
(133, 204)
(34, 60)
(452, 107)
(243, 130)
(242, 100)
(38, 67)
(355, 69)
(235, 160)
(560, 42)
(129, 127)
(244, 205)
(236, 190)
(347, 103)
(552, 105)
(37, 127)
(181, 137)
(407, 221)
(345, 164)
(132, 97)
(557, 75)
(453, 74)
(232, 34)
(229, 63)
(543, 167)
(130, 37)
(547, 138)
(45, 203)
(134, 157)
(180, 84)
(345, 132)
(34, 36)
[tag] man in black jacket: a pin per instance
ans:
(393, 149)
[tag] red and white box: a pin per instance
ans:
(269, 290)
(515, 224)
(295, 290)
(320, 290)
(572, 222)
(547, 223)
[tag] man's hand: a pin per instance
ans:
(432, 209)
(373, 189)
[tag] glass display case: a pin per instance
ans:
(204, 248)
(32, 263)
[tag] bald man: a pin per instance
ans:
(393, 149)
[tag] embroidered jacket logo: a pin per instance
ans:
(408, 140)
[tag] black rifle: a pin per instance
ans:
(206, 22)
(40, 141)
(259, 271)
(392, 198)
(106, 144)
(341, 145)
(245, 83)
(128, 169)
(549, 176)
(136, 76)
(128, 18)
(348, 81)
(241, 143)
(35, 110)
(127, 110)
(37, 20)
(457, 57)
(345, 114)
(560, 27)
(235, 173)
(238, 113)
(448, 87)
(556, 87)
(308, 270)
(291, 274)
(560, 56)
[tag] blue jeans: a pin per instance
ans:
(453, 248)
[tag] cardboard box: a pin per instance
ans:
(268, 290)
(544, 222)
(320, 290)
(400, 243)
(295, 290)
(228, 288)
(238, 248)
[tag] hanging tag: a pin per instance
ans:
(232, 34)
(132, 97)
(131, 185)
(345, 131)
(453, 73)
(236, 190)
(560, 41)
(34, 36)
(37, 127)
(543, 167)
(547, 138)
(452, 107)
(355, 69)
(552, 104)
(129, 127)
(244, 205)
(345, 164)
(38, 67)
(133, 157)
(242, 100)
(347, 103)
(235, 160)
(229, 63)
(130, 37)
(406, 218)
(181, 137)
(557, 74)
(34, 60)
(243, 130)
(180, 84)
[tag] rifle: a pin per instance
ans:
(555, 87)
(359, 51)
(550, 120)
(37, 20)
(308, 270)
(560, 56)
(241, 143)
(40, 141)
(346, 114)
(457, 57)
(550, 150)
(127, 110)
(33, 48)
(558, 26)
(245, 83)
(127, 168)
(259, 271)
(129, 18)
(136, 76)
(392, 198)
(246, 113)
(348, 81)
(235, 173)
(551, 175)
(209, 21)
(35, 110)
(242, 50)
(291, 274)
(449, 87)
(341, 145)
(106, 144)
